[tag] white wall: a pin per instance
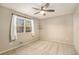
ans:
(58, 29)
(5, 19)
(76, 28)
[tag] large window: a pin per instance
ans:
(21, 25)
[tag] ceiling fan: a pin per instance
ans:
(43, 9)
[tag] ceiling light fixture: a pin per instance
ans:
(42, 12)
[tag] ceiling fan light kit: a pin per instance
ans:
(42, 12)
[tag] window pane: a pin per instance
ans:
(28, 26)
(20, 25)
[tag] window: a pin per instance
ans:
(21, 25)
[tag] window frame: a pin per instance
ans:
(25, 19)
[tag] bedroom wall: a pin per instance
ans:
(76, 28)
(58, 29)
(5, 19)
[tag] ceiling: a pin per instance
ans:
(26, 8)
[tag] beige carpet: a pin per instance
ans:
(44, 47)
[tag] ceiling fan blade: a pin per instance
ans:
(42, 7)
(36, 12)
(36, 8)
(49, 10)
(46, 5)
